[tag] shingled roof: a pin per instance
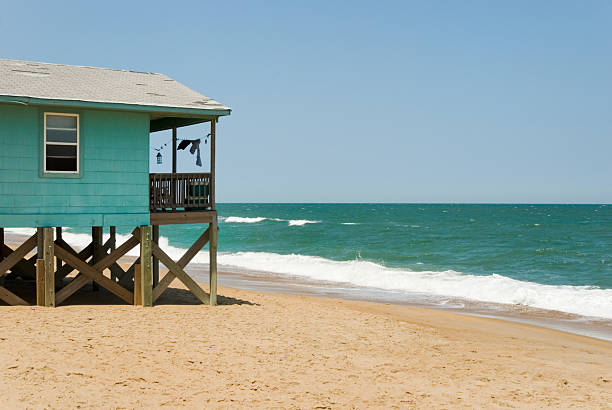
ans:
(100, 85)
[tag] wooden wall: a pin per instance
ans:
(112, 188)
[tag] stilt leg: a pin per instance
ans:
(155, 260)
(40, 282)
(213, 262)
(49, 262)
(113, 238)
(146, 275)
(96, 240)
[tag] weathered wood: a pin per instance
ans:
(212, 252)
(80, 280)
(75, 284)
(10, 298)
(58, 262)
(49, 261)
(137, 285)
(18, 254)
(146, 272)
(98, 252)
(172, 191)
(189, 217)
(155, 239)
(174, 150)
(39, 242)
(179, 273)
(24, 267)
(94, 273)
(184, 261)
(213, 131)
(127, 278)
(66, 270)
(113, 244)
(40, 282)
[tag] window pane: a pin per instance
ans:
(61, 164)
(68, 151)
(61, 121)
(61, 135)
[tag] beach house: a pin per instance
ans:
(75, 152)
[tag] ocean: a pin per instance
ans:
(542, 257)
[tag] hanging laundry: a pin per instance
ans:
(195, 147)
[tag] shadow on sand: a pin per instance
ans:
(87, 296)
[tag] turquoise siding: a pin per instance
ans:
(113, 185)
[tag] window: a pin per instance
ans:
(61, 143)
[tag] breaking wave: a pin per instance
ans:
(580, 300)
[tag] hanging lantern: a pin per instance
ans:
(159, 158)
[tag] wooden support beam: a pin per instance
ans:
(213, 128)
(93, 273)
(189, 217)
(155, 239)
(40, 282)
(49, 262)
(80, 280)
(138, 285)
(66, 270)
(96, 240)
(10, 298)
(18, 254)
(212, 252)
(146, 272)
(58, 262)
(179, 273)
(184, 261)
(113, 244)
(174, 138)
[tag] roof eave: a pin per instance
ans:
(195, 112)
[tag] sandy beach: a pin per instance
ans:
(272, 350)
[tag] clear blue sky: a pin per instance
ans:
(431, 101)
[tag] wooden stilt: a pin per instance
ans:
(155, 260)
(39, 243)
(58, 262)
(40, 282)
(213, 262)
(49, 263)
(213, 127)
(113, 242)
(137, 285)
(146, 285)
(96, 240)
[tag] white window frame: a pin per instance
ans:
(78, 143)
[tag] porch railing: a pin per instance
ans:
(183, 192)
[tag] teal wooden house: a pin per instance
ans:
(74, 152)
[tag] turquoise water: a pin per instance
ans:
(548, 244)
(556, 257)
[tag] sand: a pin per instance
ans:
(272, 350)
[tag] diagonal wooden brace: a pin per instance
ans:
(10, 298)
(179, 273)
(18, 254)
(184, 261)
(81, 280)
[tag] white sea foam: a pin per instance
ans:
(301, 222)
(581, 300)
(349, 223)
(244, 220)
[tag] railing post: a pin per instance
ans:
(213, 127)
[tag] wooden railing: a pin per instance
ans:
(183, 192)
